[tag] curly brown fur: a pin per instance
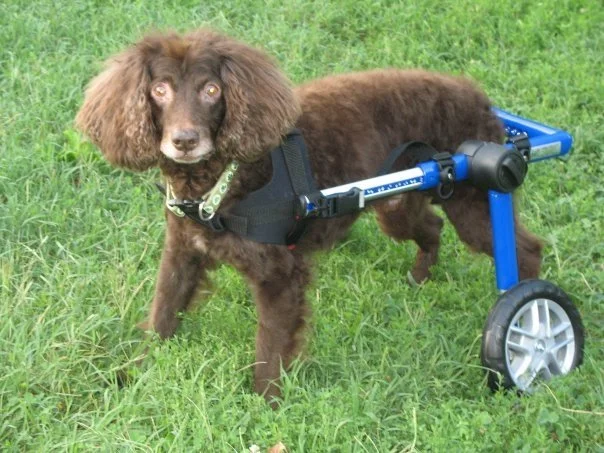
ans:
(192, 103)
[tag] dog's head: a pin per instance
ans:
(188, 98)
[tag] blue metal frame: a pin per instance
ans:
(501, 208)
(545, 143)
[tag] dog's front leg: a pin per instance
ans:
(282, 313)
(281, 319)
(182, 270)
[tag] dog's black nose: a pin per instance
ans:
(185, 139)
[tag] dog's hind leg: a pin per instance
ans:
(468, 210)
(412, 217)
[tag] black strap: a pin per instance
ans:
(302, 180)
(296, 161)
(412, 153)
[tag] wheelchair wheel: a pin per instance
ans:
(533, 332)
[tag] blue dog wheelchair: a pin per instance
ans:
(534, 331)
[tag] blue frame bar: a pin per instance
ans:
(432, 172)
(546, 142)
(501, 208)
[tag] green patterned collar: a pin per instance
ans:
(211, 201)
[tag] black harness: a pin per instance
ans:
(267, 215)
(272, 214)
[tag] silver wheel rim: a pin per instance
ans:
(539, 344)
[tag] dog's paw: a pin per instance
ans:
(413, 282)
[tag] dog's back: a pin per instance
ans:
(352, 121)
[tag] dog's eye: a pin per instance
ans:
(212, 90)
(160, 91)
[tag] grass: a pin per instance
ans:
(388, 367)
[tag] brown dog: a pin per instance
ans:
(191, 104)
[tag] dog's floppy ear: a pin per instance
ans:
(260, 104)
(117, 115)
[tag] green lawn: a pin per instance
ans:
(387, 367)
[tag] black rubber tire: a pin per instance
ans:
(499, 321)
